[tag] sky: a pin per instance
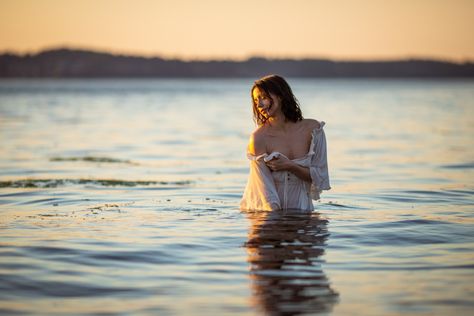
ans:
(239, 29)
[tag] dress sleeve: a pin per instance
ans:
(260, 192)
(319, 164)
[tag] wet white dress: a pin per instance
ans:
(282, 190)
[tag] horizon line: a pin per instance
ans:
(229, 58)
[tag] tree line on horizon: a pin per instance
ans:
(71, 63)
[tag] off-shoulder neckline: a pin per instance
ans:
(309, 153)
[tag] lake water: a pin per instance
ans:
(121, 197)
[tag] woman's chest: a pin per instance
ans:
(292, 146)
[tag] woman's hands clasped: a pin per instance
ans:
(280, 163)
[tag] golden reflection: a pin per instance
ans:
(284, 250)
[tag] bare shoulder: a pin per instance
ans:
(311, 124)
(257, 142)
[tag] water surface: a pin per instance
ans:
(121, 197)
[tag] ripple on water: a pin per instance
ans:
(14, 285)
(446, 196)
(93, 159)
(54, 183)
(461, 166)
(412, 232)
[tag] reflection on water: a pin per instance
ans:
(284, 250)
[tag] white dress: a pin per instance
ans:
(282, 190)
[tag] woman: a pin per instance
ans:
(288, 159)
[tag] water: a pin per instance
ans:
(121, 197)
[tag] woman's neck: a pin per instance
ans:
(279, 122)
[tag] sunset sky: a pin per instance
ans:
(206, 29)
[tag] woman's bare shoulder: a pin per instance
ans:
(311, 123)
(257, 141)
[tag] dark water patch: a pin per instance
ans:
(433, 180)
(68, 273)
(431, 303)
(10, 254)
(48, 251)
(430, 193)
(93, 159)
(22, 193)
(43, 201)
(9, 171)
(54, 183)
(94, 243)
(462, 192)
(102, 258)
(127, 257)
(198, 211)
(336, 205)
(405, 223)
(401, 267)
(443, 196)
(410, 198)
(17, 266)
(6, 202)
(227, 195)
(467, 165)
(14, 285)
(404, 238)
(195, 246)
(168, 187)
(407, 233)
(6, 311)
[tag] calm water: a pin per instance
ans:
(121, 197)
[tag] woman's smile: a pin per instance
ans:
(266, 111)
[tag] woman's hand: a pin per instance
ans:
(281, 163)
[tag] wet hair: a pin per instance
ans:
(276, 85)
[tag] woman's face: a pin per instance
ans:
(267, 105)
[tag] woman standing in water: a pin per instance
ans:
(288, 159)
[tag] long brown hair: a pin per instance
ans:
(277, 86)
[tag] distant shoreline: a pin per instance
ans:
(74, 63)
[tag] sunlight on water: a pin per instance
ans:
(121, 196)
